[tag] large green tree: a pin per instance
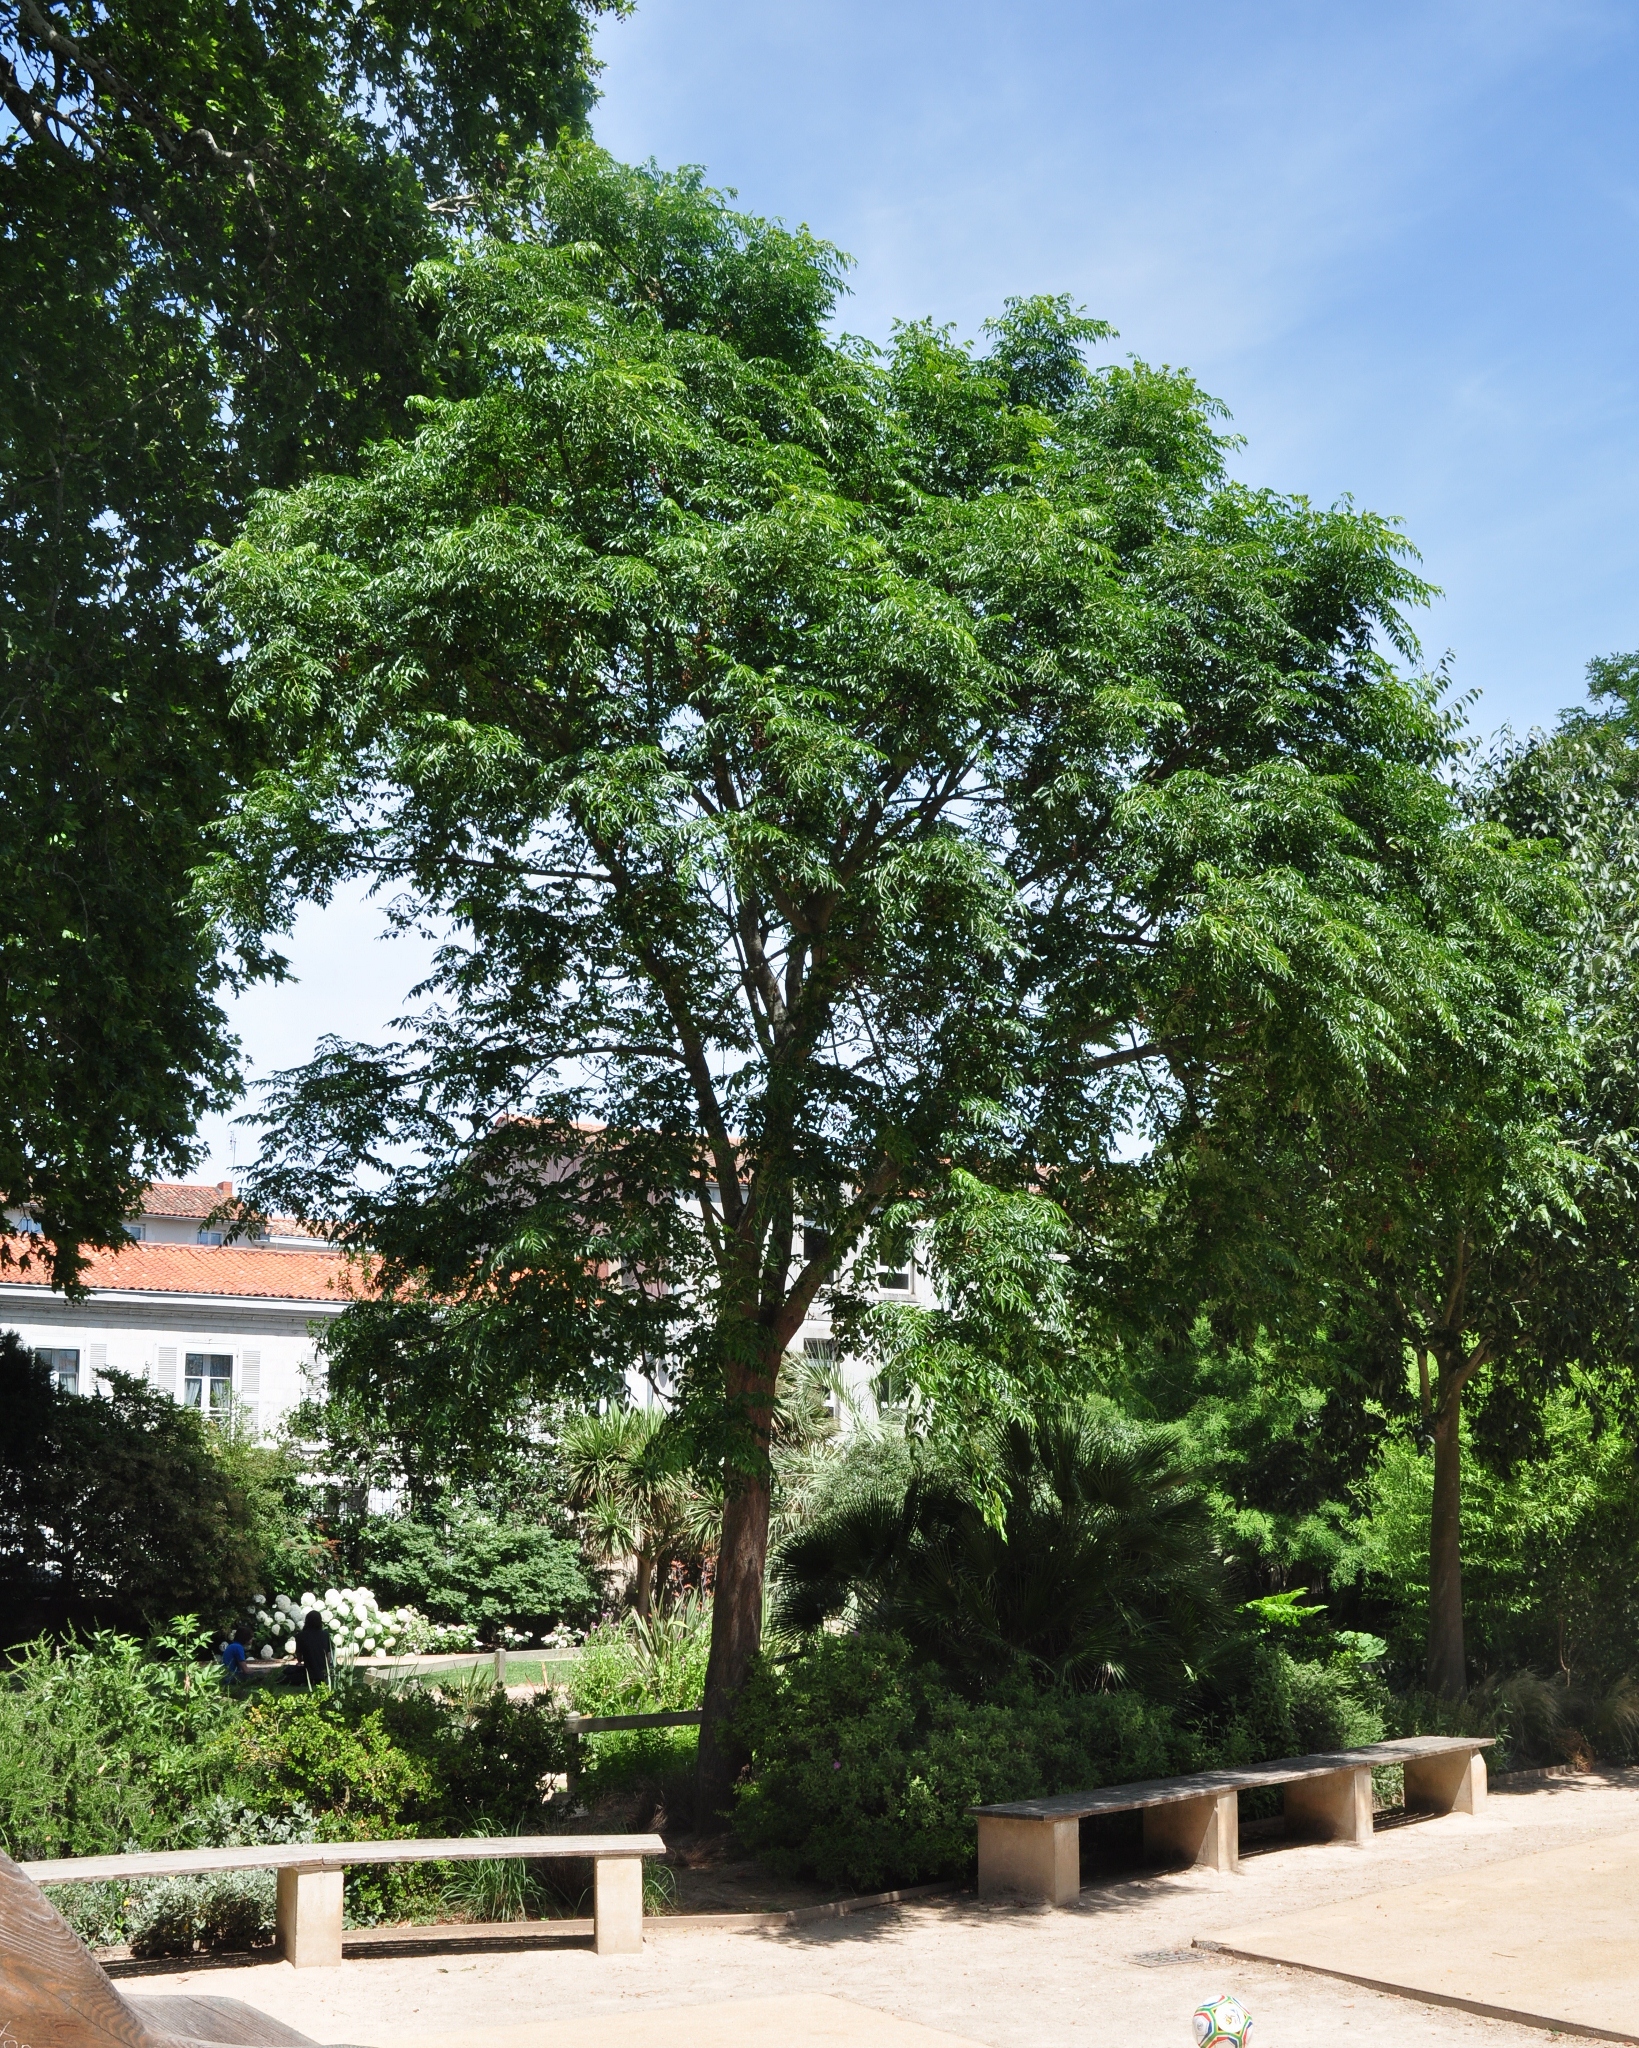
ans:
(209, 213)
(1471, 1221)
(845, 780)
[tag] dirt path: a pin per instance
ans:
(1117, 1971)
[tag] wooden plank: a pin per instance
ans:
(600, 1724)
(335, 1855)
(1250, 1777)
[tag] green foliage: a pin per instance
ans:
(641, 1664)
(864, 1760)
(1093, 1569)
(484, 1574)
(232, 1909)
(117, 1509)
(1283, 1438)
(104, 1744)
(212, 212)
(307, 1750)
(1551, 1547)
(849, 778)
(630, 1478)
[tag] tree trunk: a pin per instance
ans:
(736, 1634)
(1447, 1666)
(643, 1584)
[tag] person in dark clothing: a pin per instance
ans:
(313, 1648)
(234, 1652)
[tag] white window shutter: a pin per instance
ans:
(247, 1410)
(97, 1354)
(165, 1368)
(250, 1372)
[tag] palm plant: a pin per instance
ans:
(1097, 1570)
(637, 1497)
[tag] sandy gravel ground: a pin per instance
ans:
(1118, 1971)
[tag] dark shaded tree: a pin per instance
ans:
(114, 1511)
(1097, 1571)
(209, 215)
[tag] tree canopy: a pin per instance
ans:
(843, 779)
(209, 212)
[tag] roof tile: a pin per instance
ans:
(196, 1269)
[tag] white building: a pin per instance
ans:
(203, 1321)
(207, 1322)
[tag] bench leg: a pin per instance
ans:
(1453, 1783)
(1039, 1859)
(617, 1905)
(1205, 1832)
(309, 1917)
(1336, 1808)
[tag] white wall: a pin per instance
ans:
(271, 1343)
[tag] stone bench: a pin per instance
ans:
(310, 1879)
(1033, 1846)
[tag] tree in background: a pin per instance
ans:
(212, 209)
(631, 1483)
(846, 779)
(1474, 1221)
(118, 1511)
(1098, 1571)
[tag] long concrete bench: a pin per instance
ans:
(309, 1901)
(1033, 1846)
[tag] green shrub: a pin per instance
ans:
(645, 1664)
(229, 1909)
(1263, 1702)
(96, 1912)
(308, 1749)
(173, 1916)
(642, 1664)
(115, 1510)
(106, 1744)
(478, 1573)
(864, 1763)
(1550, 1550)
(494, 1763)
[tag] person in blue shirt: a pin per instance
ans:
(234, 1652)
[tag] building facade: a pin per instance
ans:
(215, 1324)
(210, 1324)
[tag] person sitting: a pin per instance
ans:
(313, 1648)
(235, 1651)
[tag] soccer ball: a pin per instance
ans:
(1222, 2022)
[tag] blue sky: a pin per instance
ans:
(1400, 242)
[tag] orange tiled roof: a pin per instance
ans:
(196, 1269)
(184, 1198)
(194, 1201)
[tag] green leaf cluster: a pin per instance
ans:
(211, 212)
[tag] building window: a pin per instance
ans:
(137, 1230)
(816, 1243)
(894, 1280)
(212, 1236)
(820, 1351)
(208, 1382)
(64, 1367)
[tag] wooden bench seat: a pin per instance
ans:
(1033, 1846)
(54, 1994)
(310, 1878)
